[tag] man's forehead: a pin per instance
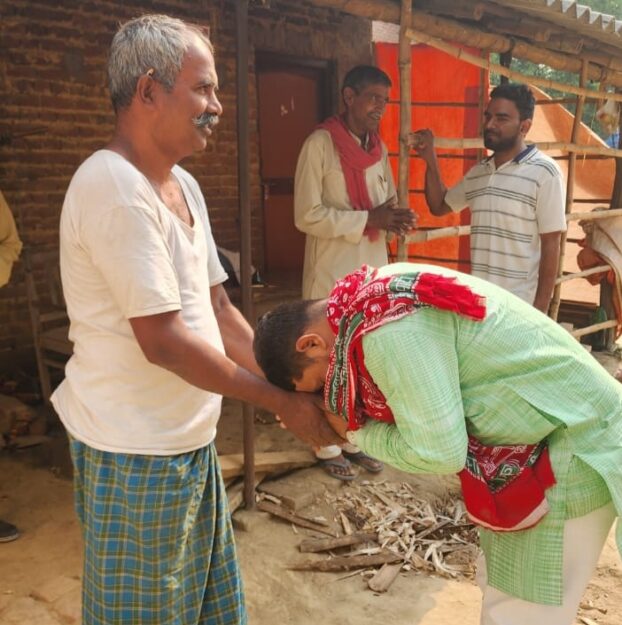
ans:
(378, 87)
(502, 106)
(198, 63)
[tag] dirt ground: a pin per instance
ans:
(40, 572)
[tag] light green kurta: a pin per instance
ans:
(517, 377)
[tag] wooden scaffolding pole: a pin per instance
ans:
(248, 412)
(461, 54)
(405, 56)
(607, 68)
(606, 289)
(572, 166)
(431, 234)
(476, 143)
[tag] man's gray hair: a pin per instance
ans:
(156, 43)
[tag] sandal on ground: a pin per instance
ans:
(367, 462)
(338, 467)
(8, 532)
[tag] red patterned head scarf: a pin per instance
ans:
(361, 302)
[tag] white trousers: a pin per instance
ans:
(584, 538)
(332, 451)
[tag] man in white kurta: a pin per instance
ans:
(335, 243)
(345, 229)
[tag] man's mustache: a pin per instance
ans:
(207, 119)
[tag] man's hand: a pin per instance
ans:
(422, 141)
(388, 217)
(304, 418)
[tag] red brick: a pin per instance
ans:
(52, 72)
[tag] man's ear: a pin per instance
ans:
(310, 344)
(348, 95)
(145, 88)
(525, 126)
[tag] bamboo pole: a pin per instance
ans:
(582, 274)
(405, 55)
(476, 143)
(606, 289)
(608, 68)
(461, 54)
(600, 212)
(572, 166)
(421, 236)
(597, 327)
(248, 412)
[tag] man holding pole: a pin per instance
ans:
(516, 197)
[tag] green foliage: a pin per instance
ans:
(609, 7)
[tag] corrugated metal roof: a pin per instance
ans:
(572, 16)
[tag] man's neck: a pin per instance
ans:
(137, 147)
(361, 133)
(501, 158)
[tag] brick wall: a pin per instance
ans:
(52, 76)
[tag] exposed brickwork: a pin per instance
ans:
(52, 75)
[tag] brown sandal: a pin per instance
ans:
(338, 467)
(367, 462)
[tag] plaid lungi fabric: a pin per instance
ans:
(159, 546)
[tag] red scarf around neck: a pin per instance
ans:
(354, 161)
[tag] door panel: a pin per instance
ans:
(290, 106)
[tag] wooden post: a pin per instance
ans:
(572, 162)
(248, 412)
(405, 56)
(505, 59)
(606, 290)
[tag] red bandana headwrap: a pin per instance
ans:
(494, 495)
(354, 161)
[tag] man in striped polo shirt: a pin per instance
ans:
(516, 197)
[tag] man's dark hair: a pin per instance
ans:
(361, 76)
(275, 343)
(519, 94)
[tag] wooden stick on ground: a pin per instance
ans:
(268, 462)
(344, 563)
(282, 513)
(383, 578)
(314, 545)
(235, 492)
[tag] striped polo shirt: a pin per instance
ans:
(510, 208)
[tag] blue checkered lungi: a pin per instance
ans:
(159, 546)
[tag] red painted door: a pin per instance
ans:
(290, 106)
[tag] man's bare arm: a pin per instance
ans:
(237, 335)
(435, 190)
(547, 274)
(167, 342)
